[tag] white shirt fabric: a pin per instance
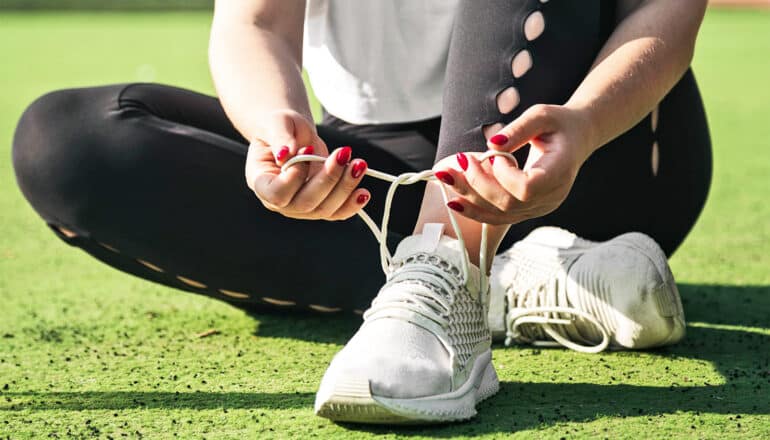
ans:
(378, 61)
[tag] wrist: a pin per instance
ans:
(586, 122)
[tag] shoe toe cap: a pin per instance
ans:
(399, 361)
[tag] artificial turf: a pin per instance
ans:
(87, 351)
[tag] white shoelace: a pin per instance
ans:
(381, 234)
(535, 306)
(431, 306)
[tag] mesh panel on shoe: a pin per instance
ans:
(467, 326)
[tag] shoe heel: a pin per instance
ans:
(490, 384)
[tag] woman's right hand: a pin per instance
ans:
(308, 190)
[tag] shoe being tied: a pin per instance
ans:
(556, 289)
(423, 352)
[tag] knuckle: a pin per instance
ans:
(540, 111)
(506, 204)
(304, 206)
(269, 206)
(472, 179)
(324, 212)
(278, 200)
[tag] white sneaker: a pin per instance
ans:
(423, 353)
(559, 289)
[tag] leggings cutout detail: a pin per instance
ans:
(521, 63)
(507, 100)
(534, 25)
(278, 302)
(231, 294)
(492, 129)
(190, 282)
(149, 265)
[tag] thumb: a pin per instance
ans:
(281, 136)
(535, 121)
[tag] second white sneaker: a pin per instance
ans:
(554, 288)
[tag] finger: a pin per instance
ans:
(284, 136)
(259, 160)
(354, 203)
(350, 179)
(323, 182)
(535, 121)
(523, 185)
(467, 209)
(266, 179)
(489, 194)
(319, 148)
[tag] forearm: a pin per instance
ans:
(256, 70)
(643, 59)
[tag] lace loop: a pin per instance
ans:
(393, 299)
(541, 311)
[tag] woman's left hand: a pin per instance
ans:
(497, 191)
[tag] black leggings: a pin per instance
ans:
(150, 177)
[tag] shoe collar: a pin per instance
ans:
(432, 241)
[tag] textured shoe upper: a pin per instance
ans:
(586, 295)
(425, 327)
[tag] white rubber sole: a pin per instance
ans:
(351, 400)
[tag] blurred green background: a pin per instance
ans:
(86, 351)
(107, 4)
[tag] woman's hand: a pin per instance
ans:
(306, 190)
(499, 192)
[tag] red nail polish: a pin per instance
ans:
(491, 160)
(362, 198)
(308, 150)
(456, 206)
(499, 139)
(282, 153)
(359, 167)
(445, 177)
(462, 160)
(343, 156)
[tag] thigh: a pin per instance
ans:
(150, 178)
(509, 55)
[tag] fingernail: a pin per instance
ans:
(282, 153)
(359, 167)
(343, 156)
(491, 160)
(362, 198)
(308, 150)
(462, 160)
(456, 206)
(499, 139)
(445, 177)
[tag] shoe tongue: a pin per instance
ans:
(432, 241)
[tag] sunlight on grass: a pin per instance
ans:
(87, 351)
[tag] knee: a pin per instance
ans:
(51, 153)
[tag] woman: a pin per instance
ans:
(594, 98)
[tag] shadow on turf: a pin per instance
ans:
(740, 356)
(121, 400)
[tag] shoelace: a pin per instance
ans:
(543, 316)
(381, 233)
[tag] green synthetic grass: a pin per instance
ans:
(87, 351)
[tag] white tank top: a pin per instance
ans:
(378, 61)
